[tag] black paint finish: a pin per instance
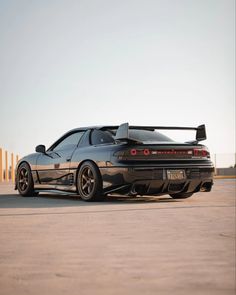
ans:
(127, 165)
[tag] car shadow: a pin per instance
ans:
(112, 199)
(52, 200)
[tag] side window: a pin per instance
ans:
(100, 137)
(69, 142)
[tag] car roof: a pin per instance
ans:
(107, 127)
(102, 127)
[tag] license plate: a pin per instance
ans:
(176, 174)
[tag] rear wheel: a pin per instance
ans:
(89, 182)
(24, 180)
(181, 195)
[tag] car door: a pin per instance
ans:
(53, 167)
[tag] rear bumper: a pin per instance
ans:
(154, 180)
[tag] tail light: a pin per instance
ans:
(139, 152)
(133, 152)
(146, 152)
(162, 154)
(201, 153)
(130, 154)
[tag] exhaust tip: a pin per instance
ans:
(206, 187)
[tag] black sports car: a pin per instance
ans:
(131, 160)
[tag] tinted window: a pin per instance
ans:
(148, 135)
(69, 142)
(101, 137)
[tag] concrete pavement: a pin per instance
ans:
(55, 244)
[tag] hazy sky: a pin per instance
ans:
(65, 64)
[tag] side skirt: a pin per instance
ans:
(47, 187)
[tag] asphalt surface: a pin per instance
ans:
(57, 244)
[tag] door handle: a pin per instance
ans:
(68, 159)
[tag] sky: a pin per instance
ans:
(66, 64)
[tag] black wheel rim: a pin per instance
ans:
(23, 179)
(87, 181)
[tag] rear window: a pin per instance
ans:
(144, 135)
(148, 135)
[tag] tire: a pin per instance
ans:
(89, 182)
(24, 180)
(181, 195)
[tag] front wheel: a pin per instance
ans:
(89, 182)
(24, 181)
(181, 195)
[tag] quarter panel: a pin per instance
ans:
(100, 154)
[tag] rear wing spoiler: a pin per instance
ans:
(122, 132)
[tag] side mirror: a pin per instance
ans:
(40, 149)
